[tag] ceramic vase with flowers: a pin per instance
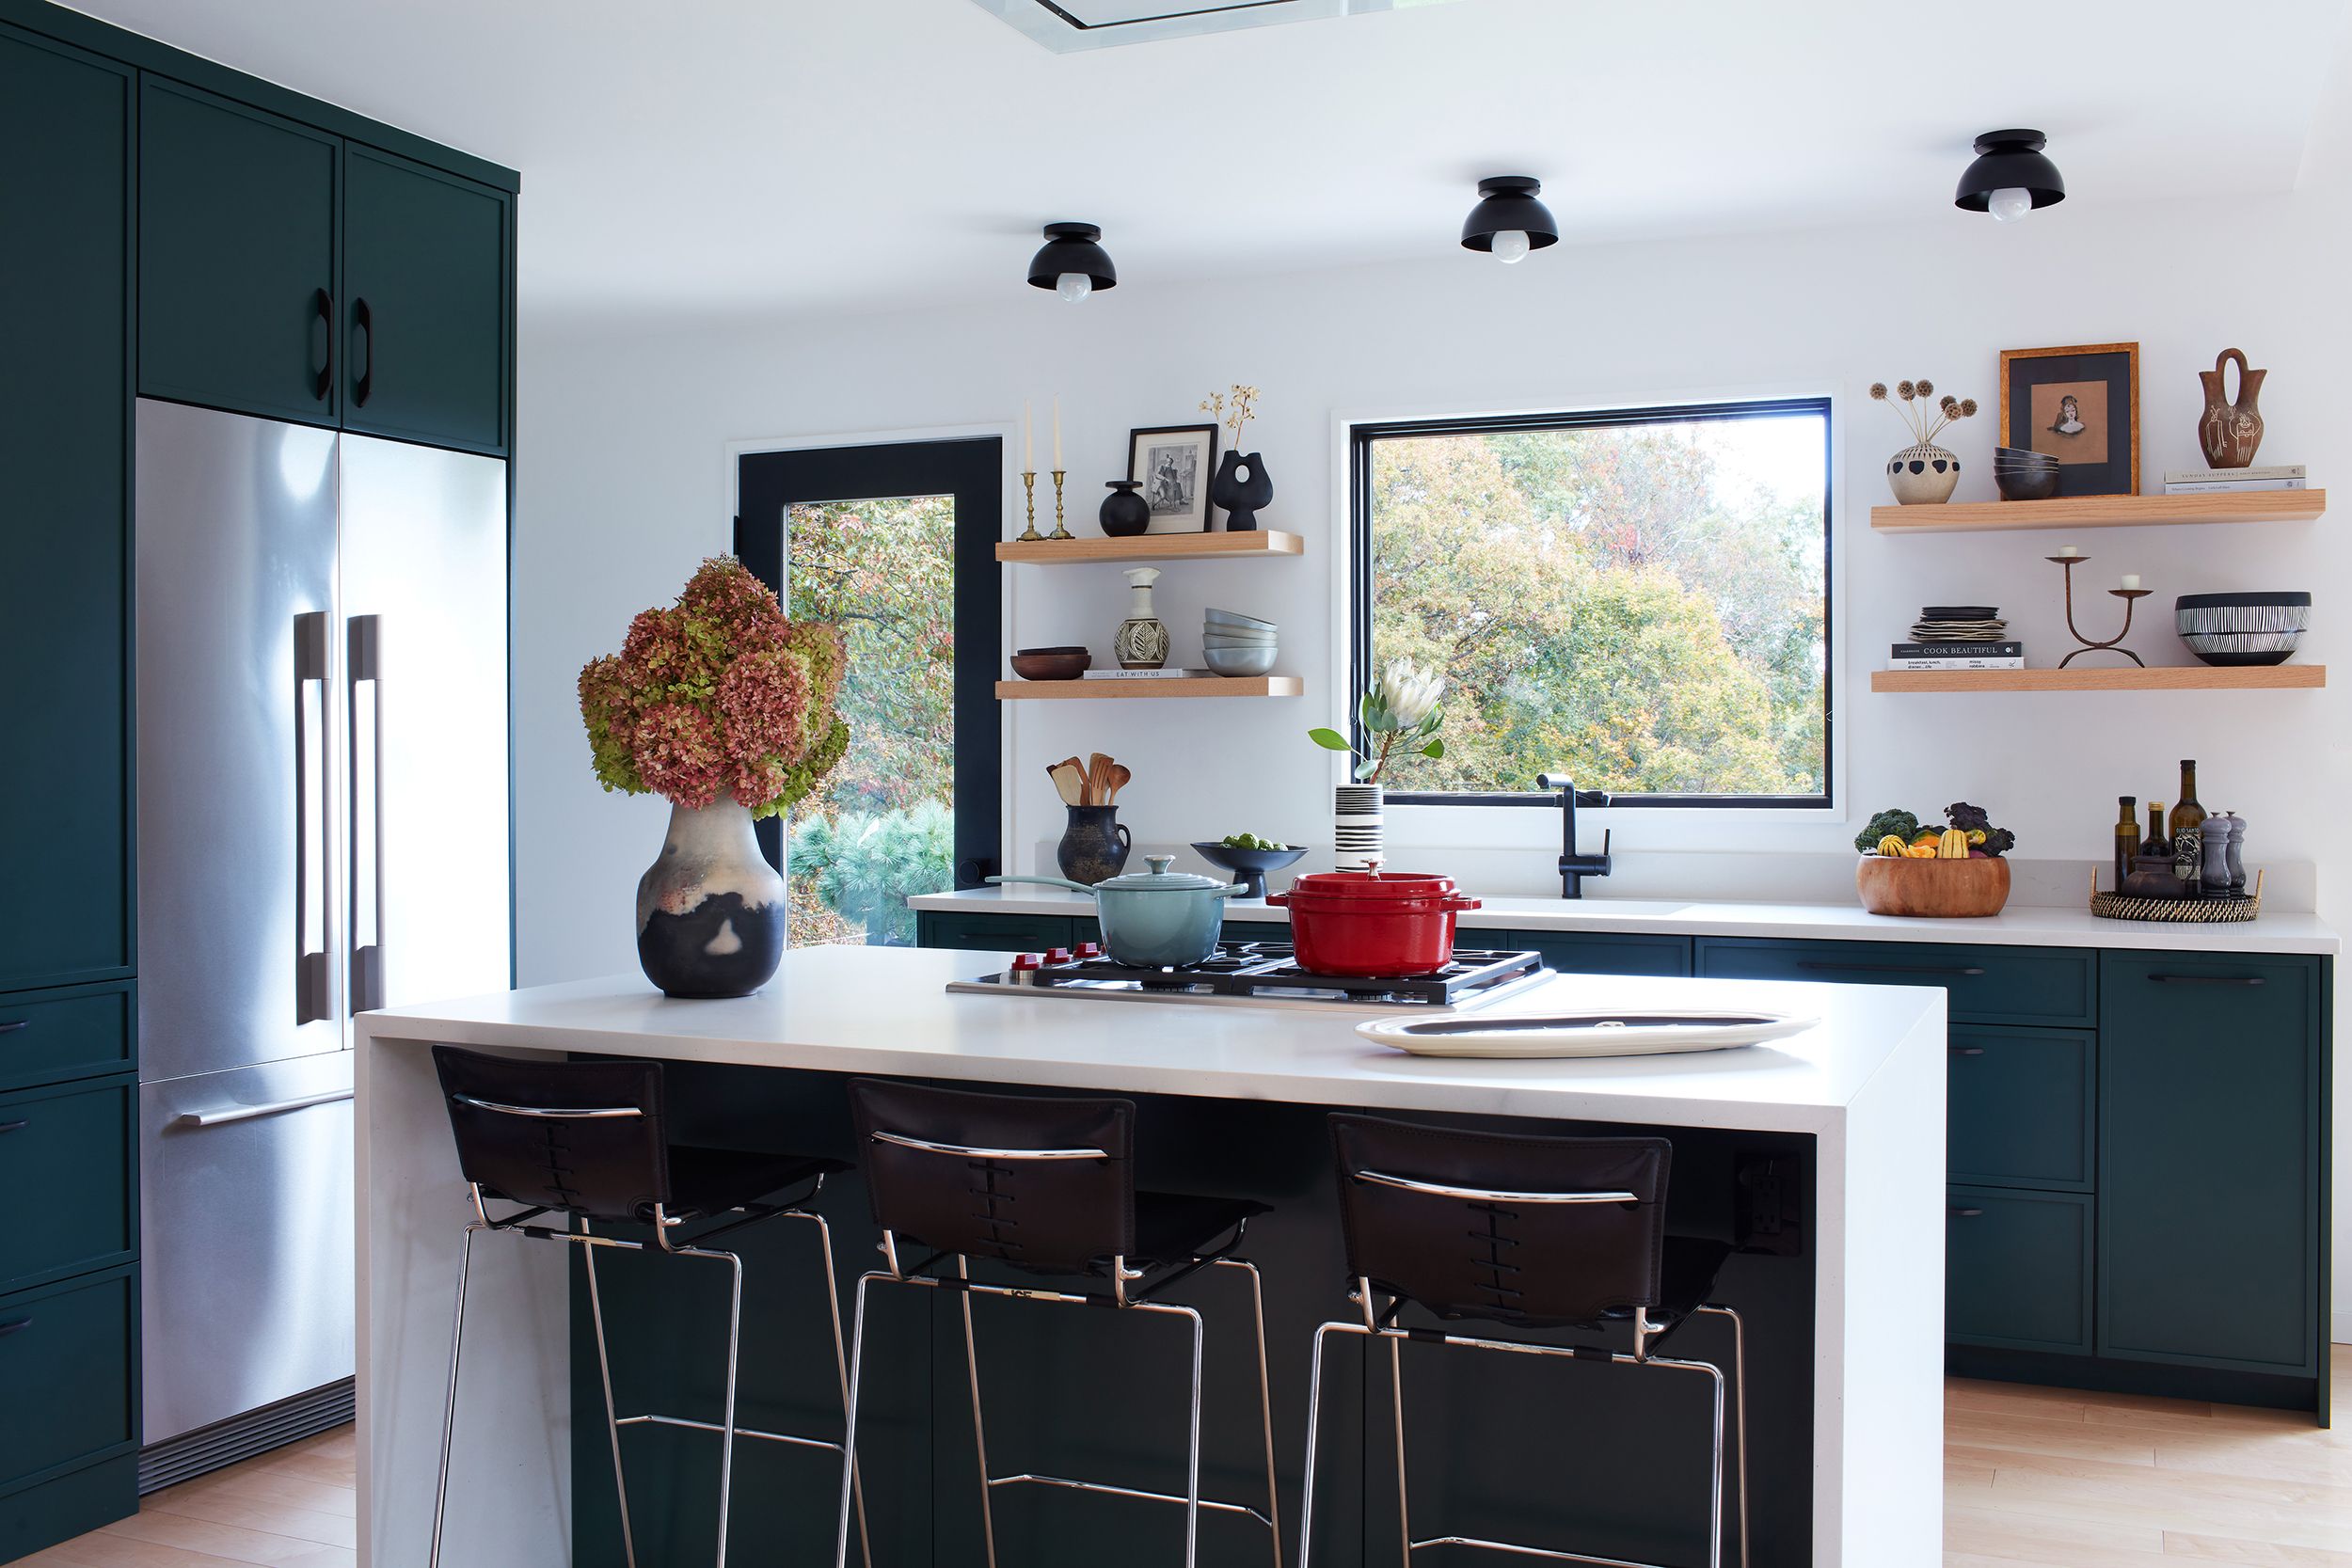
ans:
(725, 707)
(1399, 716)
(1923, 472)
(1242, 486)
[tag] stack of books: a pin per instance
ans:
(1168, 673)
(1959, 636)
(2199, 482)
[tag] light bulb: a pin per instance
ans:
(1510, 246)
(2008, 203)
(1073, 286)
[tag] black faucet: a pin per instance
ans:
(1575, 867)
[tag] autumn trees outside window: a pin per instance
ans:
(1636, 597)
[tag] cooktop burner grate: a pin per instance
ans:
(1271, 969)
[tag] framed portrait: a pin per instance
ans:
(2081, 404)
(1174, 464)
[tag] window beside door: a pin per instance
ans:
(1638, 598)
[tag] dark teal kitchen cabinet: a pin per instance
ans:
(2017, 1269)
(2047, 986)
(69, 1351)
(237, 257)
(426, 259)
(71, 1143)
(994, 933)
(65, 336)
(2022, 1107)
(1594, 951)
(52, 1036)
(2213, 1099)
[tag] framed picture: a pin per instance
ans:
(2081, 404)
(1174, 464)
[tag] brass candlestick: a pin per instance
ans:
(1060, 531)
(2110, 645)
(1029, 535)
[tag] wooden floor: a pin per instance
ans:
(2034, 1478)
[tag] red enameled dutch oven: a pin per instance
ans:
(1363, 924)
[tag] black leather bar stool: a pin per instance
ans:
(1533, 1232)
(588, 1142)
(1046, 1186)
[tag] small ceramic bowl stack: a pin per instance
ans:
(2025, 476)
(1237, 644)
(2242, 628)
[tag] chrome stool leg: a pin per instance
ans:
(849, 1430)
(1265, 1402)
(449, 1405)
(1314, 1438)
(735, 1345)
(979, 1433)
(611, 1415)
(840, 1362)
(1739, 1400)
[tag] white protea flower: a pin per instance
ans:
(1409, 692)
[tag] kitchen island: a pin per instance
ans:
(1840, 1273)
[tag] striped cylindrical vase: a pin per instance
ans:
(1358, 831)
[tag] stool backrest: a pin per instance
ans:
(1519, 1228)
(585, 1137)
(1045, 1184)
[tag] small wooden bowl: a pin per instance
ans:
(1043, 665)
(1933, 890)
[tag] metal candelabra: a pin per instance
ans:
(2111, 644)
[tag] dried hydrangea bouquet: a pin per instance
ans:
(1923, 472)
(723, 706)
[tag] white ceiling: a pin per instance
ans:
(789, 156)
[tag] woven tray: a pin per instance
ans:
(2191, 912)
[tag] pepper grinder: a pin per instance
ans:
(2214, 876)
(2235, 850)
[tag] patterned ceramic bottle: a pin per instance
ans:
(1142, 640)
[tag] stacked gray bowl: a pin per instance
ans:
(2022, 475)
(1232, 643)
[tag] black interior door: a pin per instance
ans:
(897, 541)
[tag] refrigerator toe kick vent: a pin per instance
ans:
(224, 1443)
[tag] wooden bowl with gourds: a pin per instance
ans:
(1945, 878)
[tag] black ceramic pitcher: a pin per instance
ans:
(1093, 847)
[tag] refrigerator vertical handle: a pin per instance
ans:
(311, 979)
(363, 665)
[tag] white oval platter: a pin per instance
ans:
(1627, 1032)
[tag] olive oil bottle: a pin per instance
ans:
(2187, 816)
(2156, 844)
(2127, 836)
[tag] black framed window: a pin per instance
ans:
(1637, 597)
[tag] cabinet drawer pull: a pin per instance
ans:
(13, 1126)
(2208, 979)
(12, 1327)
(1968, 1051)
(1892, 969)
(10, 1025)
(1964, 1214)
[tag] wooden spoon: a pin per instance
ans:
(1098, 780)
(1119, 781)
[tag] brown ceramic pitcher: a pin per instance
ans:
(2230, 431)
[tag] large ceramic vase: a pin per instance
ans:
(2229, 431)
(1922, 474)
(1359, 827)
(710, 912)
(1241, 487)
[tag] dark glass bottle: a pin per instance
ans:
(2127, 836)
(2155, 843)
(2187, 813)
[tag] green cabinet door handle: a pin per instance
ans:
(8, 1328)
(2208, 979)
(10, 1025)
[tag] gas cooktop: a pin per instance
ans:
(1266, 973)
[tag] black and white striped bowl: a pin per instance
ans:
(2242, 628)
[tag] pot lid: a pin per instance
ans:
(1372, 887)
(1159, 879)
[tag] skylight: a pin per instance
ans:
(1068, 25)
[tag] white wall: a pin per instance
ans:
(625, 484)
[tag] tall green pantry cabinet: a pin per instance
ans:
(168, 229)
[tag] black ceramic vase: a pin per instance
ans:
(1093, 847)
(1125, 512)
(710, 912)
(1241, 487)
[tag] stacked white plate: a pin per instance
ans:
(1232, 643)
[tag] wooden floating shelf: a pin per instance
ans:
(2170, 678)
(2072, 512)
(1175, 686)
(1154, 547)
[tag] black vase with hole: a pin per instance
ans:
(1125, 512)
(1241, 487)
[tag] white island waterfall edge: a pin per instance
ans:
(1868, 1083)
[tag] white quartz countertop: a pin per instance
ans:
(886, 1010)
(2021, 925)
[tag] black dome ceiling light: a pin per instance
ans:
(1072, 262)
(2011, 177)
(1508, 221)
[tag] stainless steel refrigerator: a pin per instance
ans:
(322, 791)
